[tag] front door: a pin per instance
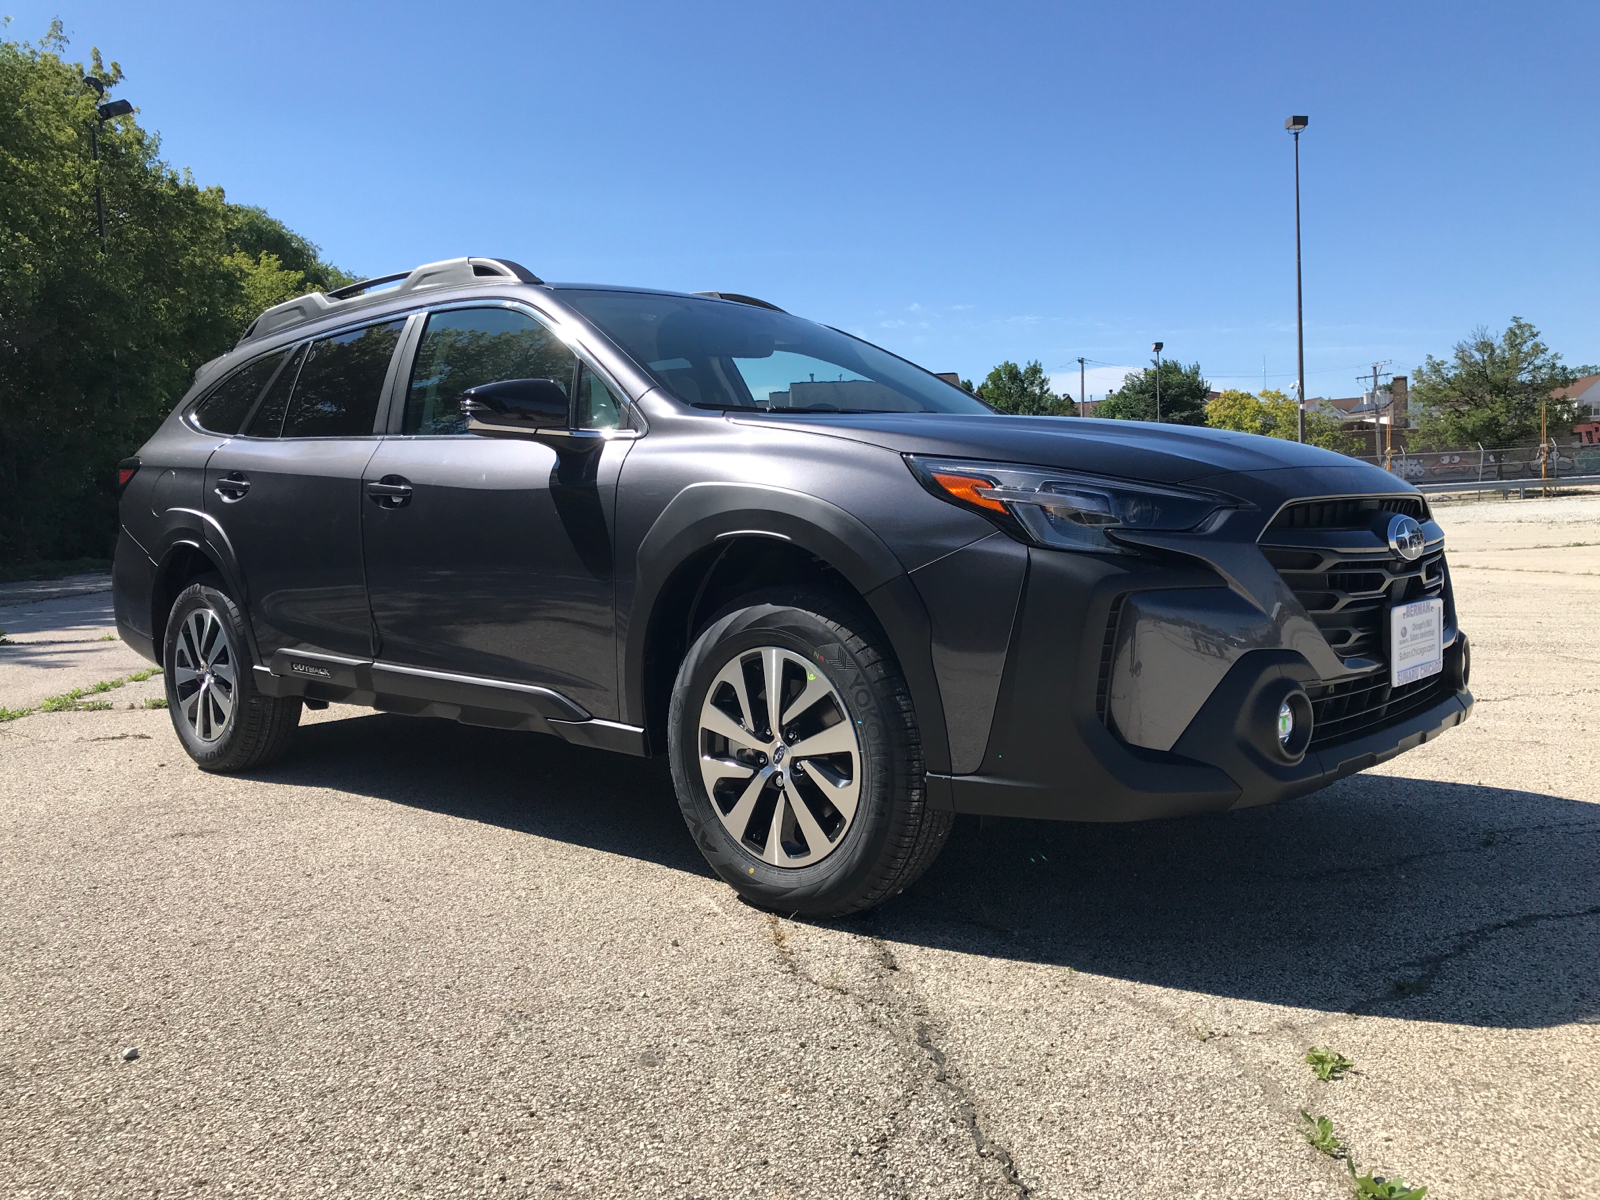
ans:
(287, 494)
(491, 557)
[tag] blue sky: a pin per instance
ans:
(959, 183)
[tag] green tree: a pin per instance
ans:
(1183, 396)
(1273, 415)
(1491, 391)
(97, 344)
(1024, 391)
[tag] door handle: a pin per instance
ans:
(232, 487)
(392, 491)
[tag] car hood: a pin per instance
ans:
(1252, 467)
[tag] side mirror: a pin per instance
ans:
(516, 407)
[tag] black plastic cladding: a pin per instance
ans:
(1007, 649)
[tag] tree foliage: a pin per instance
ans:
(1273, 414)
(1491, 391)
(1183, 395)
(97, 344)
(1024, 391)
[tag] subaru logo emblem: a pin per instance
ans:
(1405, 537)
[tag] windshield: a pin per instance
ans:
(726, 355)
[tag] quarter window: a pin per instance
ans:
(341, 383)
(225, 409)
(598, 407)
(467, 347)
(268, 419)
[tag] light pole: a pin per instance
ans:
(103, 111)
(1083, 397)
(1294, 125)
(1156, 346)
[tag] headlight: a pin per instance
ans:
(1063, 509)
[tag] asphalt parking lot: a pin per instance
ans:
(417, 958)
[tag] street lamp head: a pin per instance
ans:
(1157, 346)
(113, 108)
(94, 85)
(1296, 124)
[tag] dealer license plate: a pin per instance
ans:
(1416, 641)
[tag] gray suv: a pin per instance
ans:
(848, 600)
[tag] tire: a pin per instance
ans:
(866, 832)
(224, 723)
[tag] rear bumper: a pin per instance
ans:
(133, 579)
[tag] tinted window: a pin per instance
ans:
(467, 347)
(225, 409)
(598, 407)
(268, 419)
(722, 354)
(341, 382)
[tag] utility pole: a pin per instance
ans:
(1083, 396)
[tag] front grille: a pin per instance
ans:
(1347, 597)
(1345, 512)
(1345, 710)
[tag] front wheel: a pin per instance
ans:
(796, 757)
(224, 723)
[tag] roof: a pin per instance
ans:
(1578, 388)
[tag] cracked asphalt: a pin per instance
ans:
(421, 959)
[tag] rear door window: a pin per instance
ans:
(465, 347)
(341, 383)
(225, 409)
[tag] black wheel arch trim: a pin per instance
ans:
(704, 513)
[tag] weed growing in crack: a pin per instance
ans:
(1319, 1132)
(155, 702)
(141, 676)
(94, 706)
(1328, 1065)
(1376, 1187)
(106, 637)
(11, 714)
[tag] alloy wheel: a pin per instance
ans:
(203, 675)
(780, 757)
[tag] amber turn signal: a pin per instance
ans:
(965, 488)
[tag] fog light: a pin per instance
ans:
(1285, 723)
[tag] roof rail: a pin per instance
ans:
(452, 272)
(738, 299)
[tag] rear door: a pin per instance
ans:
(287, 493)
(492, 557)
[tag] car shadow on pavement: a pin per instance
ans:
(1401, 897)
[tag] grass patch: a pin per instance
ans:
(156, 702)
(74, 701)
(106, 637)
(11, 714)
(51, 569)
(1328, 1064)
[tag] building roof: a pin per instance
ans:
(1577, 389)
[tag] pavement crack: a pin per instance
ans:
(967, 1109)
(1421, 972)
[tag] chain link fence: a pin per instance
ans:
(1519, 463)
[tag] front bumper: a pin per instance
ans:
(1052, 752)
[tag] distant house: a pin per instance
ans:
(1373, 415)
(1586, 392)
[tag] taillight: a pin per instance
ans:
(126, 470)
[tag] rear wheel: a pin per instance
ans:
(224, 723)
(796, 757)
